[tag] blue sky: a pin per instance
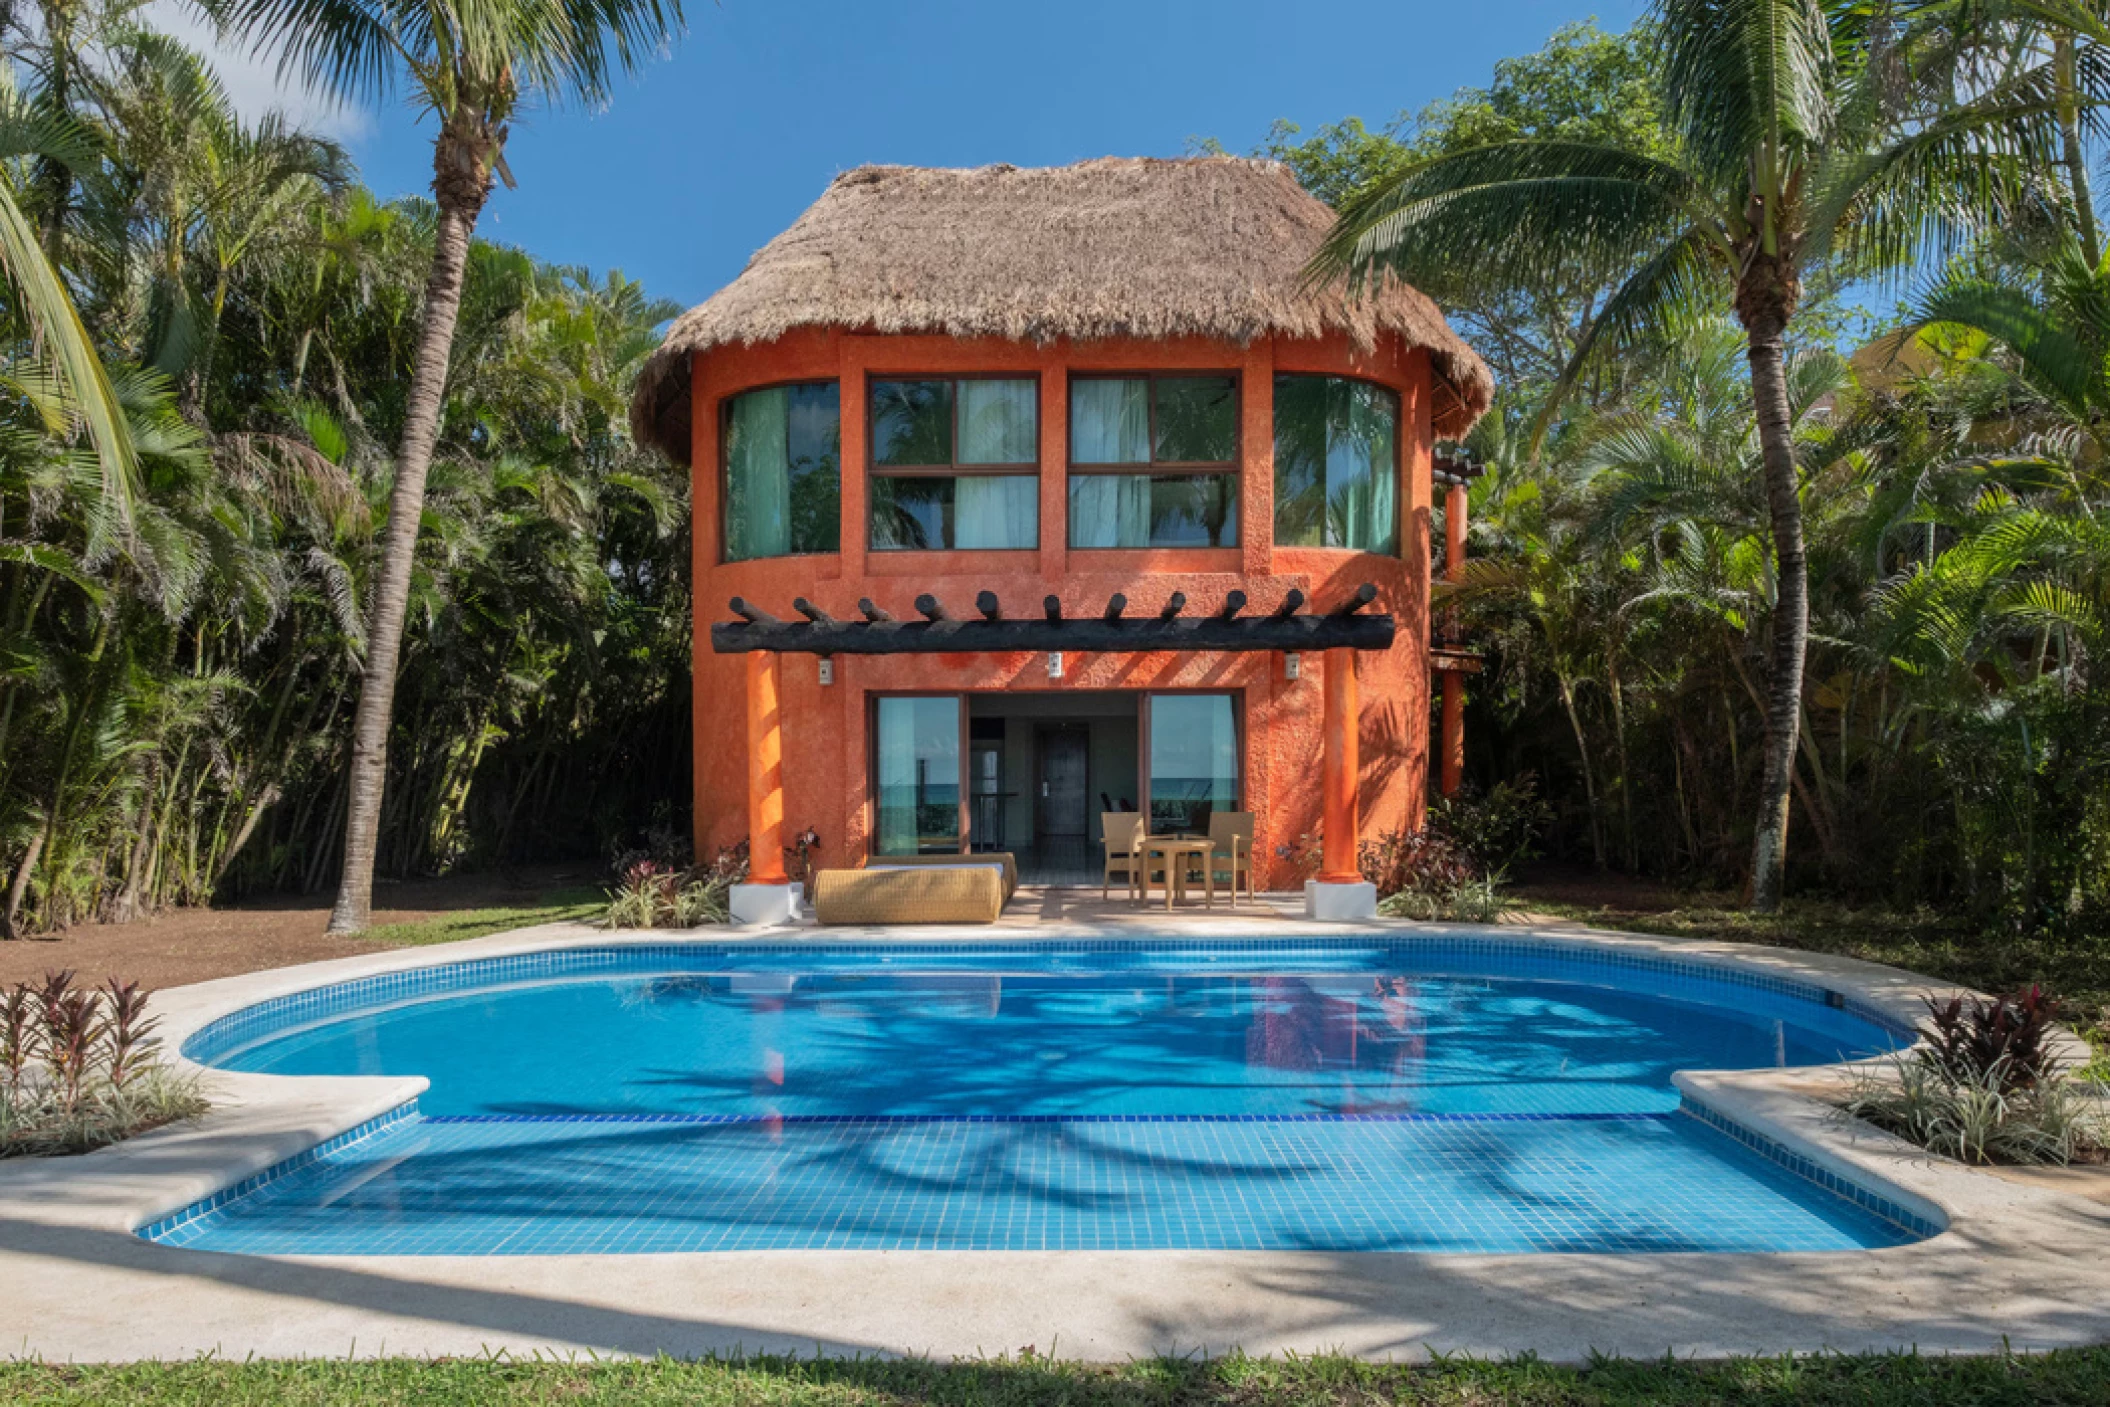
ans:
(711, 152)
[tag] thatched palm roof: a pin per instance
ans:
(1202, 247)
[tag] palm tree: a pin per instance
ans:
(1804, 133)
(475, 63)
(27, 131)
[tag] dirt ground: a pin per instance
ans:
(196, 945)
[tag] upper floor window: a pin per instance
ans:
(1336, 466)
(955, 463)
(783, 488)
(1154, 461)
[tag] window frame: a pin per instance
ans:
(1399, 410)
(956, 470)
(1144, 761)
(1167, 468)
(965, 821)
(725, 467)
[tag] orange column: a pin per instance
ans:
(1340, 827)
(765, 771)
(1454, 510)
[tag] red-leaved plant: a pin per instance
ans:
(130, 1030)
(18, 1037)
(1972, 1039)
(72, 1027)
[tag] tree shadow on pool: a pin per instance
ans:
(1194, 1045)
(481, 1187)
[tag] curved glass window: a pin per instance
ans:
(1336, 464)
(783, 483)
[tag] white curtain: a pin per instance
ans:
(1109, 422)
(1110, 510)
(998, 421)
(758, 478)
(996, 510)
(1362, 475)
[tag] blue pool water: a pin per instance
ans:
(1419, 1095)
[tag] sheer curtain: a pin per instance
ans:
(1110, 510)
(1109, 422)
(996, 510)
(997, 422)
(1374, 526)
(758, 478)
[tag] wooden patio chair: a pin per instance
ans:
(1122, 829)
(1231, 832)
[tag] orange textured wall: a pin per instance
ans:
(825, 743)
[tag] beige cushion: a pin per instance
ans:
(909, 894)
(982, 858)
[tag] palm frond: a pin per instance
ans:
(1512, 214)
(1747, 82)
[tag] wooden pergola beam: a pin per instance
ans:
(1288, 629)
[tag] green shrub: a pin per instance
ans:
(1498, 828)
(1985, 1087)
(653, 895)
(79, 1068)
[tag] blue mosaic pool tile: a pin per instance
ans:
(1864, 1194)
(1563, 1177)
(1524, 958)
(168, 1226)
(555, 1187)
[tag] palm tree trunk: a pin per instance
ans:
(2075, 158)
(461, 182)
(1763, 305)
(1582, 750)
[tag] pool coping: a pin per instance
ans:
(2022, 1264)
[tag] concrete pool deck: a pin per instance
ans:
(2021, 1265)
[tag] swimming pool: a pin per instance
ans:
(1417, 1094)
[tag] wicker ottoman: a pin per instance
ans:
(922, 894)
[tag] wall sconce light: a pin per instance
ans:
(1054, 664)
(827, 671)
(1292, 666)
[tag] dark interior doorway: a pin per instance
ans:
(1082, 745)
(1061, 750)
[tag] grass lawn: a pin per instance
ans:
(2077, 971)
(2079, 1376)
(575, 904)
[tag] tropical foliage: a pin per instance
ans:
(1943, 486)
(183, 623)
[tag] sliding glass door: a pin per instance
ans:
(917, 747)
(1193, 760)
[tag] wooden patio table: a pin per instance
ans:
(1175, 849)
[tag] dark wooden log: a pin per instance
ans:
(1291, 604)
(1234, 602)
(1174, 604)
(753, 615)
(1052, 605)
(1115, 604)
(931, 607)
(1362, 596)
(811, 612)
(873, 611)
(1361, 630)
(989, 606)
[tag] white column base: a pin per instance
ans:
(766, 905)
(1339, 903)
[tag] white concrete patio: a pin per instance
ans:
(2021, 1264)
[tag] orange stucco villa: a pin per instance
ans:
(983, 453)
